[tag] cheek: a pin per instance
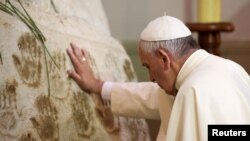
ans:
(162, 79)
(157, 75)
(158, 72)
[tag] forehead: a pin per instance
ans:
(145, 57)
(142, 53)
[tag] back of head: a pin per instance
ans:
(169, 33)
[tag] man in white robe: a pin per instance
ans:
(201, 88)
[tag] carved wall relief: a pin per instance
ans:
(93, 65)
(112, 65)
(27, 111)
(28, 63)
(8, 107)
(82, 115)
(60, 85)
(109, 121)
(27, 137)
(127, 68)
(46, 123)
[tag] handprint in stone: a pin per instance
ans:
(60, 85)
(8, 106)
(46, 124)
(83, 115)
(28, 63)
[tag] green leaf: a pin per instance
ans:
(1, 59)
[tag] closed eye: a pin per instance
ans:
(145, 65)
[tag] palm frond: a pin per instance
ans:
(53, 5)
(1, 60)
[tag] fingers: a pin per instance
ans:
(82, 72)
(83, 52)
(75, 61)
(77, 51)
(72, 74)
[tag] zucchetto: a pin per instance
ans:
(165, 28)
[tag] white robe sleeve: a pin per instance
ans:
(140, 100)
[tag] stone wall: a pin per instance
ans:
(30, 109)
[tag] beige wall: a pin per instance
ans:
(127, 18)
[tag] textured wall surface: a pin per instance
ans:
(28, 112)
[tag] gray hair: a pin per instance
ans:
(177, 47)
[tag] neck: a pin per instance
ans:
(177, 65)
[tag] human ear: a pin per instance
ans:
(165, 57)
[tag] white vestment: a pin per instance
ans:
(211, 90)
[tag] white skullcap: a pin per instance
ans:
(165, 28)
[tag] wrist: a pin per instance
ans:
(97, 89)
